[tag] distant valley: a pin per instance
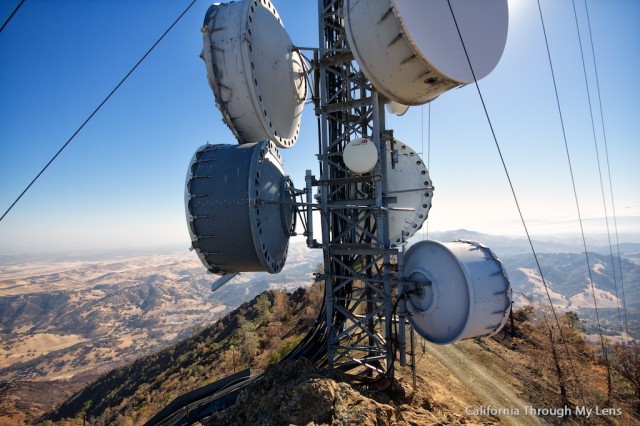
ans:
(64, 319)
(67, 318)
(567, 280)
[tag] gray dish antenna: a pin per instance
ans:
(255, 73)
(239, 208)
(457, 290)
(410, 50)
(410, 192)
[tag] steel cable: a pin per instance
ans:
(95, 111)
(513, 193)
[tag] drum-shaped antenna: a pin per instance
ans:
(411, 51)
(457, 290)
(257, 77)
(409, 192)
(239, 207)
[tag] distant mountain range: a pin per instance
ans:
(509, 245)
(63, 317)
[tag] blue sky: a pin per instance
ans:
(120, 183)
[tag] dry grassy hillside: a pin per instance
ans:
(519, 368)
(254, 335)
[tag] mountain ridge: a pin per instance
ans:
(72, 320)
(296, 392)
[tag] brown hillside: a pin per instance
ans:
(454, 383)
(250, 336)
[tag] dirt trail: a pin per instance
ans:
(485, 374)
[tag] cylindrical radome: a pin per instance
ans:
(255, 73)
(239, 207)
(458, 290)
(411, 50)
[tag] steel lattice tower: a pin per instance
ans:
(355, 223)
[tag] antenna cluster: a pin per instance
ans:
(374, 192)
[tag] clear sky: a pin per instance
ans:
(120, 183)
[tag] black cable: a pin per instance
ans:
(606, 150)
(11, 16)
(513, 192)
(98, 108)
(584, 242)
(595, 143)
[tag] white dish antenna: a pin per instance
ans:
(360, 155)
(409, 188)
(411, 51)
(458, 290)
(257, 77)
(410, 191)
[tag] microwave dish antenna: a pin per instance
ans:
(360, 155)
(457, 290)
(411, 51)
(256, 74)
(396, 108)
(409, 191)
(239, 208)
(409, 188)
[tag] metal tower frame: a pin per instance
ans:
(354, 208)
